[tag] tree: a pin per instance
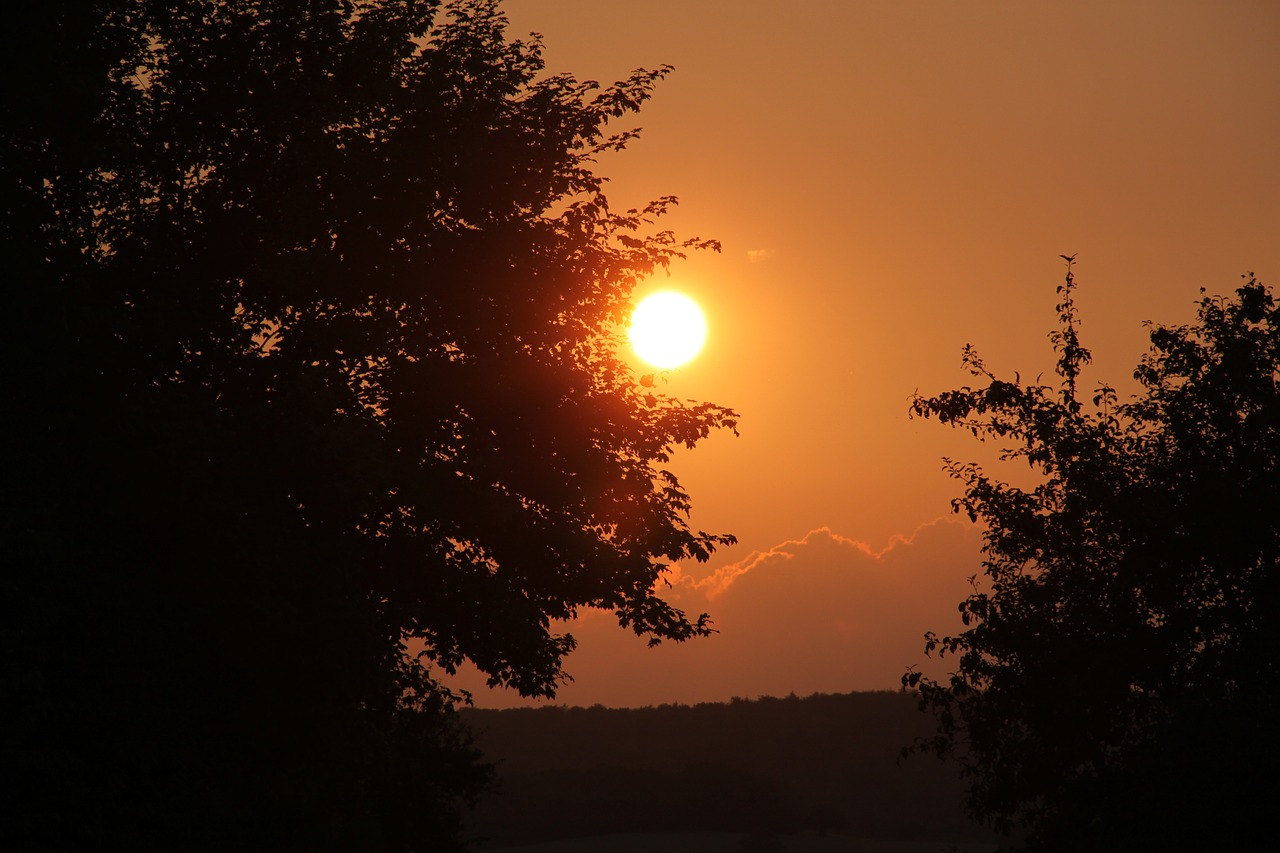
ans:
(1116, 683)
(314, 360)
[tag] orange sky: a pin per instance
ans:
(892, 180)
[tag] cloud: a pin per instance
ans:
(721, 579)
(757, 256)
(821, 613)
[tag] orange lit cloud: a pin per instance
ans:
(821, 613)
(721, 579)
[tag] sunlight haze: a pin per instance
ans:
(891, 181)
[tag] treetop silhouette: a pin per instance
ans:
(1115, 685)
(315, 310)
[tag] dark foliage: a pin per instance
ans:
(309, 337)
(825, 763)
(1117, 685)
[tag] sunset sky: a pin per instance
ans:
(890, 181)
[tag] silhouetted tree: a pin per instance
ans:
(1116, 686)
(311, 346)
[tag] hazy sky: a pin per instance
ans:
(892, 180)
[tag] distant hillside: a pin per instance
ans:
(825, 763)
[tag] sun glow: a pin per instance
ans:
(667, 329)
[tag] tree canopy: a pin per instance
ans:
(314, 358)
(1116, 685)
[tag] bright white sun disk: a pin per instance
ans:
(667, 329)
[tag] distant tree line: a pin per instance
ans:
(825, 763)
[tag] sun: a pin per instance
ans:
(667, 329)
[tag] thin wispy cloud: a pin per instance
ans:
(822, 612)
